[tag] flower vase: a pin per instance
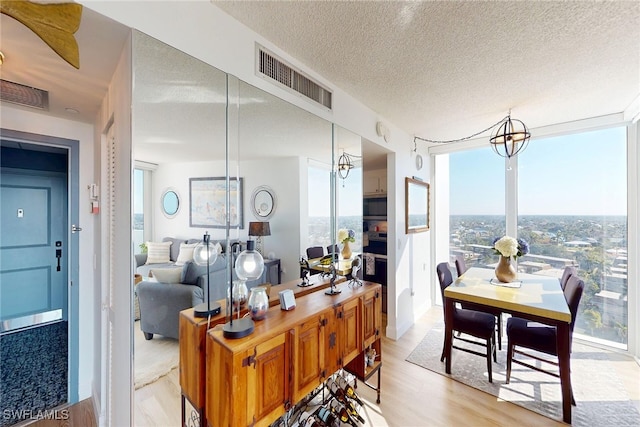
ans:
(505, 271)
(346, 251)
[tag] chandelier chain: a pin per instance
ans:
(460, 139)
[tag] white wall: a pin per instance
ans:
(24, 120)
(176, 175)
(280, 174)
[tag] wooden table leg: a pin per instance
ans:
(448, 337)
(564, 358)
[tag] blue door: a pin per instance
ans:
(34, 333)
(33, 247)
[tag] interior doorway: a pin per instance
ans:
(38, 264)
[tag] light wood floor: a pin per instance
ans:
(411, 395)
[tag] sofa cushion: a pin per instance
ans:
(158, 252)
(186, 253)
(167, 275)
(191, 271)
(175, 247)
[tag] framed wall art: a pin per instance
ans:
(208, 201)
(416, 206)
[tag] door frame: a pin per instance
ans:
(73, 217)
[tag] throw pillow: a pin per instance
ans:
(186, 253)
(190, 273)
(167, 275)
(158, 252)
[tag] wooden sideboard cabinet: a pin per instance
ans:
(193, 346)
(256, 379)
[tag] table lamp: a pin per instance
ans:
(205, 253)
(259, 229)
(248, 266)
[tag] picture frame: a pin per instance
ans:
(208, 201)
(416, 207)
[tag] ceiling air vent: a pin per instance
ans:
(24, 95)
(275, 68)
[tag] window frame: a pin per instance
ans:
(440, 244)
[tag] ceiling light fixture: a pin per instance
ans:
(1, 58)
(345, 164)
(511, 137)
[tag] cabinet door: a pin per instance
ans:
(370, 185)
(307, 358)
(268, 388)
(351, 330)
(371, 319)
(331, 341)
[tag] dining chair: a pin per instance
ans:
(315, 252)
(461, 267)
(470, 322)
(540, 337)
(568, 272)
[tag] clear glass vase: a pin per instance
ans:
(258, 303)
(240, 295)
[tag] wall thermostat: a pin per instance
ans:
(287, 299)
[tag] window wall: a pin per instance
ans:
(476, 205)
(567, 196)
(572, 209)
(138, 210)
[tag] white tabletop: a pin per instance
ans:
(537, 295)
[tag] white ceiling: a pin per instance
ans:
(447, 69)
(439, 70)
(29, 61)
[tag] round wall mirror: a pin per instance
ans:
(263, 202)
(170, 203)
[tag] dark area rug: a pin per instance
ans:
(600, 396)
(33, 372)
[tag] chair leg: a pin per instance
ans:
(495, 353)
(500, 331)
(442, 355)
(509, 357)
(490, 349)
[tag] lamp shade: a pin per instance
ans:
(250, 264)
(259, 228)
(205, 252)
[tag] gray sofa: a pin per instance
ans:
(161, 303)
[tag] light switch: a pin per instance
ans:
(20, 213)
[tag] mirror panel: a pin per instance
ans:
(276, 144)
(170, 203)
(416, 206)
(348, 161)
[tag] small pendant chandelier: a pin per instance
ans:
(345, 164)
(511, 137)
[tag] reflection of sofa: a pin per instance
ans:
(161, 303)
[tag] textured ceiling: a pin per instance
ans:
(443, 70)
(440, 70)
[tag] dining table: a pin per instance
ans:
(533, 297)
(342, 266)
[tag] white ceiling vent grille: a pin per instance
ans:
(275, 68)
(24, 95)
